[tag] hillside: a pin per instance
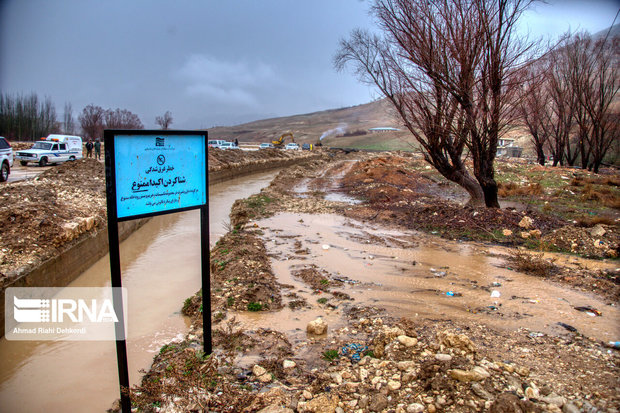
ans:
(329, 124)
(346, 127)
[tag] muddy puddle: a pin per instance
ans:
(328, 184)
(161, 267)
(415, 275)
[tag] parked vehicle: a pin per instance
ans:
(215, 143)
(6, 159)
(228, 145)
(306, 147)
(292, 145)
(53, 149)
(266, 146)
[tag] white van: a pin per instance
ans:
(216, 143)
(53, 149)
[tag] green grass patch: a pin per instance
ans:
(186, 304)
(255, 306)
(258, 203)
(167, 347)
(330, 355)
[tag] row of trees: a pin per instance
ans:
(457, 74)
(567, 101)
(28, 118)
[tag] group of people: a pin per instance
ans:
(89, 149)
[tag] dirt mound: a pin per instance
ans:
(42, 215)
(598, 242)
(242, 275)
(225, 159)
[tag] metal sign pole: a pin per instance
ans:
(206, 278)
(115, 270)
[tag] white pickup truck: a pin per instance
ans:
(53, 149)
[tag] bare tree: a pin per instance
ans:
(92, 121)
(122, 119)
(68, 124)
(458, 58)
(430, 114)
(533, 107)
(562, 106)
(596, 85)
(164, 121)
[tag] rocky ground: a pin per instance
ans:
(375, 362)
(41, 217)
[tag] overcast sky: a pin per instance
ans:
(209, 62)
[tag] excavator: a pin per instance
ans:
(279, 143)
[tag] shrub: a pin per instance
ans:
(330, 355)
(255, 306)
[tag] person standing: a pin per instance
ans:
(89, 149)
(97, 150)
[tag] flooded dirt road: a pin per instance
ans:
(415, 275)
(160, 264)
(20, 173)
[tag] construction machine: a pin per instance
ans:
(279, 143)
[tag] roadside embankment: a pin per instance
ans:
(54, 226)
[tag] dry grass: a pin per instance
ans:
(596, 180)
(512, 189)
(589, 222)
(604, 195)
(532, 264)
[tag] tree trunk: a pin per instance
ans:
(490, 194)
(485, 174)
(459, 175)
(540, 155)
(473, 188)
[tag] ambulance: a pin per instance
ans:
(53, 149)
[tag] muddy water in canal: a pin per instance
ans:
(416, 275)
(161, 267)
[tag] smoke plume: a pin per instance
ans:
(342, 128)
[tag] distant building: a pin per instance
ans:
(506, 147)
(383, 129)
(505, 142)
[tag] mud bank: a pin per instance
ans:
(222, 175)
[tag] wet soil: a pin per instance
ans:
(398, 193)
(417, 321)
